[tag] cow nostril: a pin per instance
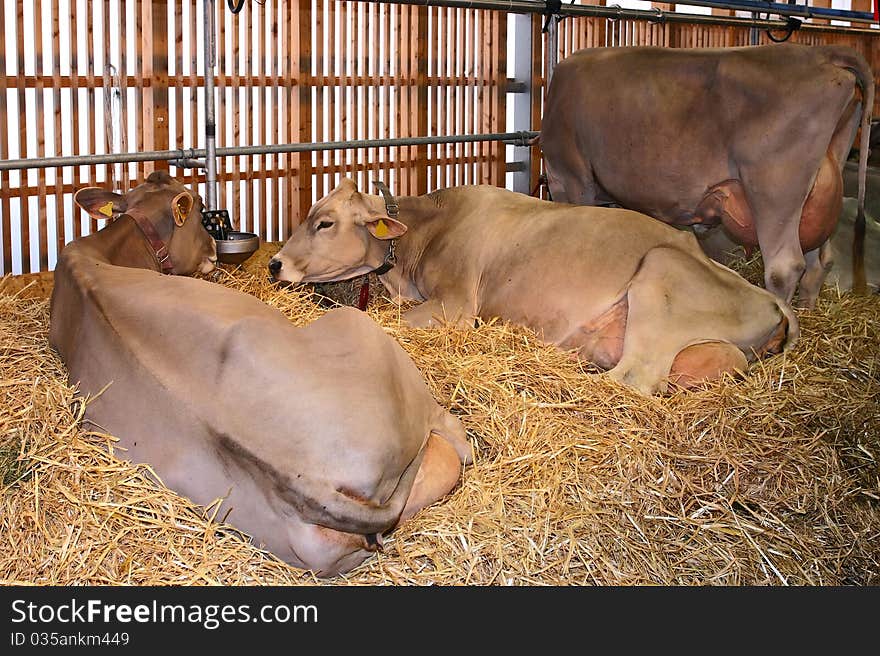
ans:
(274, 266)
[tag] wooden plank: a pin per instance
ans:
(285, 116)
(42, 214)
(178, 83)
(402, 109)
(195, 54)
(537, 94)
(320, 93)
(159, 79)
(434, 93)
(147, 106)
(60, 234)
(274, 94)
(248, 219)
(24, 211)
(419, 87)
(372, 69)
(5, 210)
(261, 218)
(139, 113)
(123, 91)
(76, 214)
(301, 110)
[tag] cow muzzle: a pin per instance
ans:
(208, 264)
(281, 272)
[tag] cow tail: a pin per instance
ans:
(865, 77)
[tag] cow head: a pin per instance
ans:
(346, 234)
(173, 211)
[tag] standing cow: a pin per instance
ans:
(629, 293)
(319, 439)
(754, 138)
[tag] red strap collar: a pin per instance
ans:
(159, 246)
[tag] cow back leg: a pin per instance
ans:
(704, 362)
(328, 552)
(819, 262)
(438, 473)
(677, 301)
(571, 180)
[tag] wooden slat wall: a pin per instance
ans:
(287, 70)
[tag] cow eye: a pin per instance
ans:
(323, 224)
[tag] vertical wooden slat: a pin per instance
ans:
(60, 237)
(374, 67)
(357, 99)
(159, 80)
(24, 212)
(343, 60)
(261, 220)
(317, 46)
(140, 62)
(4, 151)
(434, 92)
(301, 111)
(148, 107)
(385, 103)
(537, 92)
(285, 111)
(419, 87)
(179, 139)
(333, 88)
(248, 219)
(42, 214)
(440, 105)
(403, 105)
(122, 59)
(74, 122)
(274, 92)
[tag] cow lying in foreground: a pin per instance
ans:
(752, 138)
(627, 292)
(320, 438)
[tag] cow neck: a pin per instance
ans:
(160, 248)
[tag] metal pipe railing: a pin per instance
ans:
(187, 155)
(537, 7)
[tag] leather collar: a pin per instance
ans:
(393, 209)
(159, 247)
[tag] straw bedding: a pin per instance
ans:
(770, 480)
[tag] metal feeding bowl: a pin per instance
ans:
(233, 247)
(237, 247)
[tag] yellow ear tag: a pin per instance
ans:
(107, 210)
(381, 229)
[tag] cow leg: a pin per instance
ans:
(706, 362)
(434, 313)
(438, 473)
(819, 262)
(784, 261)
(677, 301)
(572, 182)
(328, 552)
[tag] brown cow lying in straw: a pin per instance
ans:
(628, 292)
(320, 438)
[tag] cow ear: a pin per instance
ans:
(181, 206)
(384, 227)
(100, 203)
